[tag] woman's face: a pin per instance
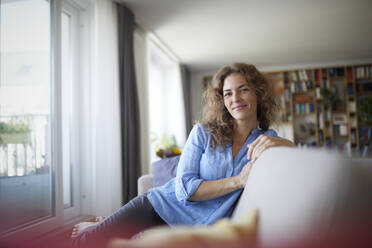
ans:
(240, 98)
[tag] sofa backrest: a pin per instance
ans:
(306, 194)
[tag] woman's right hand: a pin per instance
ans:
(243, 175)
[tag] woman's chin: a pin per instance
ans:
(242, 117)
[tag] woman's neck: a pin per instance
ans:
(242, 129)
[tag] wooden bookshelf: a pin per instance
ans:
(326, 99)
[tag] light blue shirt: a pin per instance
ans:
(199, 162)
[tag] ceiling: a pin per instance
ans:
(206, 34)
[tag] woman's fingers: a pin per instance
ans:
(256, 146)
(263, 142)
(259, 149)
(252, 146)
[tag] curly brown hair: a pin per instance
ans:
(216, 116)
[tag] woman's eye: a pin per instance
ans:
(227, 94)
(244, 90)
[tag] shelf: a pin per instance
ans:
(363, 80)
(303, 95)
(337, 78)
(364, 94)
(305, 114)
(303, 92)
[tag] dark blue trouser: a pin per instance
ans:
(135, 216)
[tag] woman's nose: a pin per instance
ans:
(236, 97)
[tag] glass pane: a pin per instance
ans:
(66, 108)
(25, 125)
(166, 111)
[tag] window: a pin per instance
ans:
(26, 115)
(39, 115)
(166, 105)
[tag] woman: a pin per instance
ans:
(215, 163)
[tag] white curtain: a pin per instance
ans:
(140, 57)
(101, 173)
(166, 101)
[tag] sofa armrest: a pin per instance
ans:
(145, 183)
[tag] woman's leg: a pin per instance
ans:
(135, 216)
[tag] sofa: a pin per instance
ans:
(306, 198)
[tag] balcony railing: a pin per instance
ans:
(24, 143)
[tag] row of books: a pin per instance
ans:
(321, 140)
(324, 83)
(340, 130)
(300, 75)
(301, 86)
(322, 118)
(336, 72)
(363, 72)
(306, 144)
(304, 108)
(319, 76)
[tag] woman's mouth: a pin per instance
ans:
(239, 107)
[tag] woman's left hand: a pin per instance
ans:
(264, 142)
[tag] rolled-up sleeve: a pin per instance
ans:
(188, 170)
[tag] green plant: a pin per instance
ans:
(330, 97)
(19, 127)
(14, 132)
(167, 145)
(365, 111)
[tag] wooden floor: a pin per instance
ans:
(57, 238)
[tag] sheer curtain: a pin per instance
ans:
(101, 172)
(166, 99)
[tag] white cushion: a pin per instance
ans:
(302, 193)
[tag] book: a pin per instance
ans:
(350, 74)
(287, 94)
(318, 76)
(317, 91)
(311, 107)
(352, 107)
(309, 85)
(321, 138)
(350, 90)
(353, 137)
(343, 130)
(294, 76)
(332, 72)
(329, 142)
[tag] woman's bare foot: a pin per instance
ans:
(78, 228)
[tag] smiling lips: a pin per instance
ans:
(239, 107)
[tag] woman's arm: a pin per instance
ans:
(212, 189)
(264, 142)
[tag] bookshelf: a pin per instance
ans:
(327, 106)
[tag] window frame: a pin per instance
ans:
(29, 230)
(81, 10)
(73, 10)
